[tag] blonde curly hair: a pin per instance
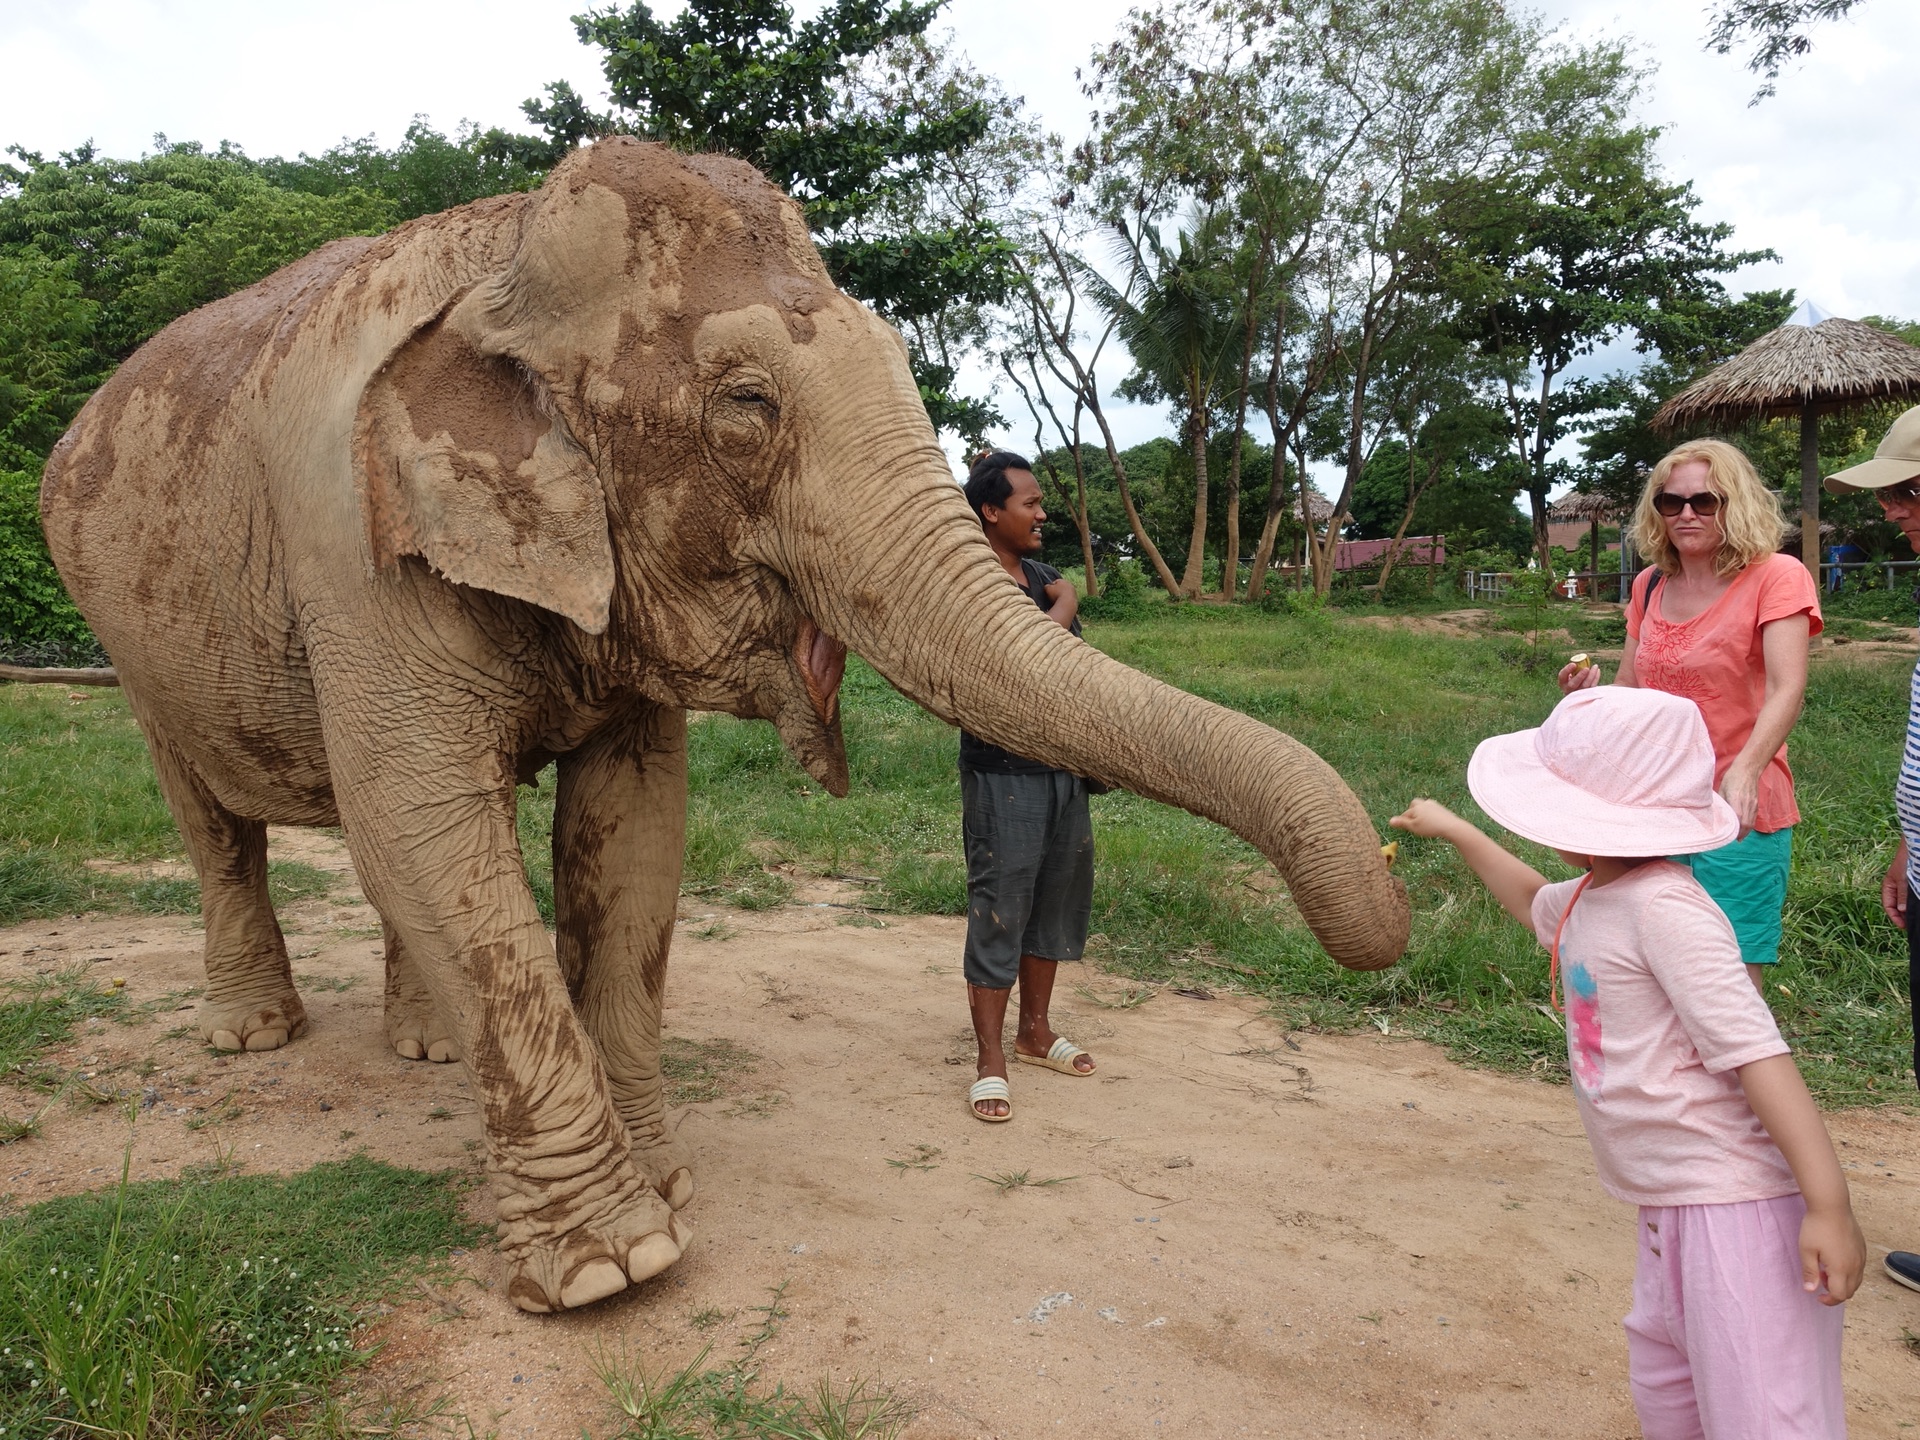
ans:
(1750, 523)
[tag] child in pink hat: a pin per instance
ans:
(1691, 1101)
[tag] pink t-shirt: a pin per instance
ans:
(1660, 1014)
(1716, 661)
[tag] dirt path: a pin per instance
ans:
(1262, 1234)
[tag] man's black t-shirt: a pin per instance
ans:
(976, 754)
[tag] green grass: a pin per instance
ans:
(1397, 713)
(43, 1011)
(76, 785)
(729, 1401)
(205, 1306)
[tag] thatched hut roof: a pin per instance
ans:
(1814, 357)
(1582, 506)
(1319, 508)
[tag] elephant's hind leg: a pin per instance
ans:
(619, 830)
(415, 1027)
(251, 1003)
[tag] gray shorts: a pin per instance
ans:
(1029, 871)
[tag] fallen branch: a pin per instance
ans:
(30, 675)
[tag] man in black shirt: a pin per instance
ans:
(1029, 839)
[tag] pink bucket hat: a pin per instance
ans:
(1615, 770)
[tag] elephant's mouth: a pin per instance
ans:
(810, 727)
(822, 663)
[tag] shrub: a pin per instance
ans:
(1124, 594)
(38, 623)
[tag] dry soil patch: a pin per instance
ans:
(1262, 1233)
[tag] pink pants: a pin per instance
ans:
(1722, 1343)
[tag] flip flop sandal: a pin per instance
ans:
(993, 1087)
(1060, 1057)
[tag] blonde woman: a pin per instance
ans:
(1723, 619)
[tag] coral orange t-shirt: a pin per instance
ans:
(1716, 661)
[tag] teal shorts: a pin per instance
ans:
(1748, 881)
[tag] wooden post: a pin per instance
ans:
(1810, 488)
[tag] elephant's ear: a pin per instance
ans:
(463, 461)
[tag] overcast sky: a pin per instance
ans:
(1824, 173)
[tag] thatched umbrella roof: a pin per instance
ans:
(1581, 506)
(1816, 359)
(1814, 364)
(1319, 509)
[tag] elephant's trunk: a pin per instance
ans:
(899, 570)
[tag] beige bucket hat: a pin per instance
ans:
(1896, 458)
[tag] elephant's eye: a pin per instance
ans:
(744, 417)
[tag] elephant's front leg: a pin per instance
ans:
(619, 827)
(433, 838)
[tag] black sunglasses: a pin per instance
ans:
(1905, 493)
(1704, 504)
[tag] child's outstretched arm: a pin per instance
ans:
(1831, 1245)
(1511, 880)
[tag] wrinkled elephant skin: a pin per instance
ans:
(527, 481)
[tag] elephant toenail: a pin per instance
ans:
(410, 1049)
(225, 1040)
(679, 1188)
(592, 1280)
(653, 1254)
(266, 1039)
(442, 1051)
(529, 1297)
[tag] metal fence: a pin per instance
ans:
(1492, 584)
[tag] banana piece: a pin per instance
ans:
(1391, 852)
(1582, 661)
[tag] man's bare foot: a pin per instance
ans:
(993, 1065)
(1038, 1042)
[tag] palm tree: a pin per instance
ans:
(1176, 318)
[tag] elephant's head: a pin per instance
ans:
(661, 421)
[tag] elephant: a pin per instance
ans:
(376, 540)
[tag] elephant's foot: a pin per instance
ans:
(415, 1027)
(667, 1167)
(259, 1024)
(416, 1031)
(599, 1257)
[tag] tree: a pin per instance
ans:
(112, 222)
(1051, 278)
(1777, 29)
(266, 229)
(1618, 445)
(427, 172)
(792, 99)
(47, 362)
(1176, 320)
(1577, 241)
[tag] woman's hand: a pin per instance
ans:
(1574, 677)
(1893, 888)
(1741, 790)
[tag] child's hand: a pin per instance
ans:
(1426, 817)
(1832, 1248)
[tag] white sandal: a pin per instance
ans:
(1059, 1057)
(991, 1087)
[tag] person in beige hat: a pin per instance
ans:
(1893, 475)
